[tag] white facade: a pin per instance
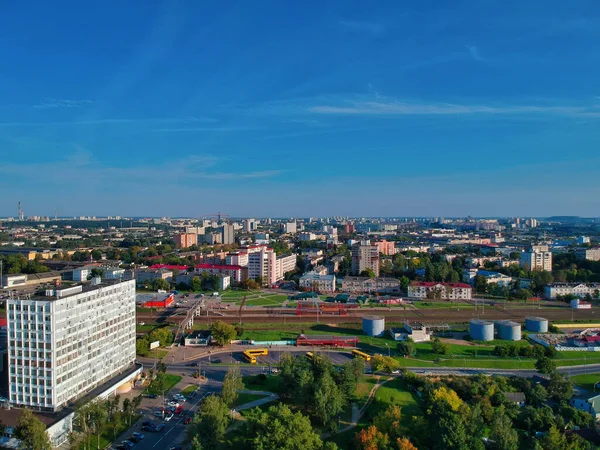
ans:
(266, 264)
(578, 289)
(442, 291)
(82, 273)
(113, 273)
(537, 260)
(592, 254)
(317, 282)
(359, 285)
(63, 345)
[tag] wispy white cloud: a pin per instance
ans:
(393, 107)
(82, 166)
(53, 103)
(364, 27)
(475, 53)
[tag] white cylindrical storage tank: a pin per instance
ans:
(508, 330)
(536, 324)
(481, 330)
(373, 325)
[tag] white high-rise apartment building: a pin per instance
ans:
(270, 267)
(537, 260)
(66, 343)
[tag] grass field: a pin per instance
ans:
(246, 398)
(189, 389)
(586, 381)
(271, 384)
(170, 381)
(393, 392)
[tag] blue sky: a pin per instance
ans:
(300, 108)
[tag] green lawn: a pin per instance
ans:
(252, 382)
(189, 389)
(236, 294)
(267, 300)
(170, 381)
(246, 398)
(147, 327)
(586, 381)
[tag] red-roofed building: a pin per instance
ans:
(234, 271)
(168, 267)
(442, 291)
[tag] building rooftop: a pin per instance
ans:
(218, 266)
(67, 291)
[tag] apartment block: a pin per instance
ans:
(185, 240)
(386, 248)
(577, 289)
(264, 263)
(365, 256)
(228, 236)
(318, 282)
(237, 273)
(536, 260)
(441, 291)
(592, 254)
(358, 285)
(69, 341)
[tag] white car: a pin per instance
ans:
(168, 417)
(174, 404)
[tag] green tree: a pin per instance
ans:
(279, 428)
(438, 347)
(545, 365)
(480, 284)
(381, 363)
(96, 272)
(451, 433)
(210, 423)
(559, 387)
(222, 332)
(328, 401)
(231, 384)
(503, 434)
(31, 431)
(196, 284)
(407, 347)
(161, 284)
(368, 272)
(388, 421)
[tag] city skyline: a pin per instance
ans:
(299, 111)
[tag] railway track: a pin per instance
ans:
(286, 315)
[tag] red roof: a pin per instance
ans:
(435, 283)
(168, 266)
(218, 266)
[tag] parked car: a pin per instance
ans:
(128, 444)
(172, 403)
(150, 428)
(146, 423)
(133, 439)
(138, 435)
(187, 420)
(168, 417)
(178, 410)
(151, 395)
(179, 397)
(159, 427)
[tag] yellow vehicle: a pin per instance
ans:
(309, 355)
(251, 354)
(363, 355)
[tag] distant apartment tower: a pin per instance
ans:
(536, 260)
(64, 344)
(228, 235)
(249, 225)
(289, 227)
(185, 240)
(349, 228)
(365, 256)
(387, 248)
(266, 264)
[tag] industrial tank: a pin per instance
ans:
(481, 330)
(508, 330)
(536, 324)
(373, 325)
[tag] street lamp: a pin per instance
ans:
(388, 347)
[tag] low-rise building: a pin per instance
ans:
(442, 291)
(198, 339)
(516, 398)
(590, 254)
(235, 272)
(314, 281)
(577, 289)
(416, 331)
(589, 403)
(380, 285)
(143, 275)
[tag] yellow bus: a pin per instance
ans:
(251, 354)
(309, 355)
(362, 355)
